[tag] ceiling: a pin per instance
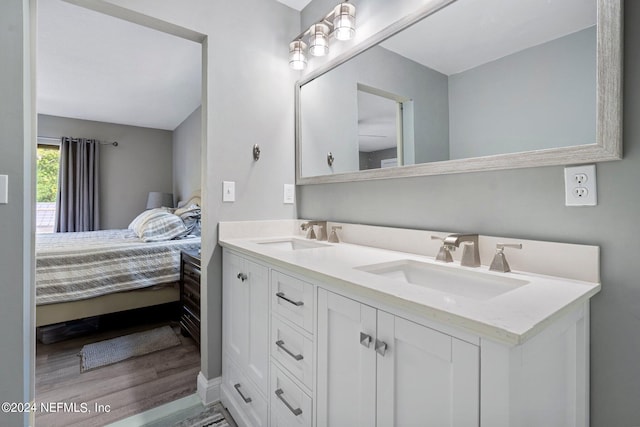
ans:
(469, 33)
(95, 67)
(296, 4)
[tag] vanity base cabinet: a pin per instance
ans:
(245, 319)
(375, 368)
(297, 352)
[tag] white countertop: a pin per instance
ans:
(511, 318)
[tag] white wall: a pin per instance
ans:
(17, 159)
(142, 162)
(529, 204)
(187, 156)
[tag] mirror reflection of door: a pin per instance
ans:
(381, 123)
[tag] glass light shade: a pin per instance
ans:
(297, 55)
(319, 39)
(344, 21)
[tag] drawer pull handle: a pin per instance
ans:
(284, 297)
(246, 399)
(381, 347)
(365, 339)
(242, 276)
(295, 411)
(280, 344)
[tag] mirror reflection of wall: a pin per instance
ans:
(482, 80)
(383, 120)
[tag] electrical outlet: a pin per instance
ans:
(580, 185)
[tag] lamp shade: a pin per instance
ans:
(158, 199)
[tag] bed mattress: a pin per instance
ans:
(75, 266)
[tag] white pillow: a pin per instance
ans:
(142, 218)
(161, 226)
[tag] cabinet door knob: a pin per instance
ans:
(280, 344)
(365, 339)
(381, 347)
(296, 411)
(242, 276)
(246, 399)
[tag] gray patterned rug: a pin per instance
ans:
(212, 416)
(115, 350)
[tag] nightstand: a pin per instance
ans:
(190, 294)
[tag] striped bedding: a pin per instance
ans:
(75, 266)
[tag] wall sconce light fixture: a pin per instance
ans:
(297, 55)
(340, 23)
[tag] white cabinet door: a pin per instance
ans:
(346, 386)
(257, 313)
(424, 377)
(246, 317)
(234, 308)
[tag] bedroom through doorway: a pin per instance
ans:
(115, 302)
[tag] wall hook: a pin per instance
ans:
(330, 159)
(256, 152)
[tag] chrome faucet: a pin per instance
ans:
(470, 256)
(444, 254)
(309, 228)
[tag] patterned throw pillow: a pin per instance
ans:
(160, 226)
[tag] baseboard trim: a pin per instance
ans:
(209, 390)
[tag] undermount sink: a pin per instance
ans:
(292, 244)
(449, 279)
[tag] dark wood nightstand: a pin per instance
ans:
(190, 294)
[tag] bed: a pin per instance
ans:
(86, 274)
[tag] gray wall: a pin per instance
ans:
(187, 143)
(16, 217)
(330, 111)
(515, 104)
(529, 204)
(141, 162)
(249, 100)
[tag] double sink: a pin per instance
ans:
(451, 279)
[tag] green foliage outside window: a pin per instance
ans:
(47, 167)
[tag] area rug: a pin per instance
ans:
(212, 416)
(115, 350)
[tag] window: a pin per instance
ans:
(47, 187)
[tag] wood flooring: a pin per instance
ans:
(128, 387)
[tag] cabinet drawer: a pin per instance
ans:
(293, 350)
(290, 406)
(247, 406)
(292, 299)
(191, 297)
(191, 271)
(190, 324)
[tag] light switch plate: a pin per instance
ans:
(228, 191)
(4, 189)
(289, 194)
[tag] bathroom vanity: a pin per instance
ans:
(374, 331)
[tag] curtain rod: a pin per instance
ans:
(53, 138)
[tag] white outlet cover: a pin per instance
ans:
(228, 191)
(579, 191)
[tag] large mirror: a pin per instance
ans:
(467, 85)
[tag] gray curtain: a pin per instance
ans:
(78, 206)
